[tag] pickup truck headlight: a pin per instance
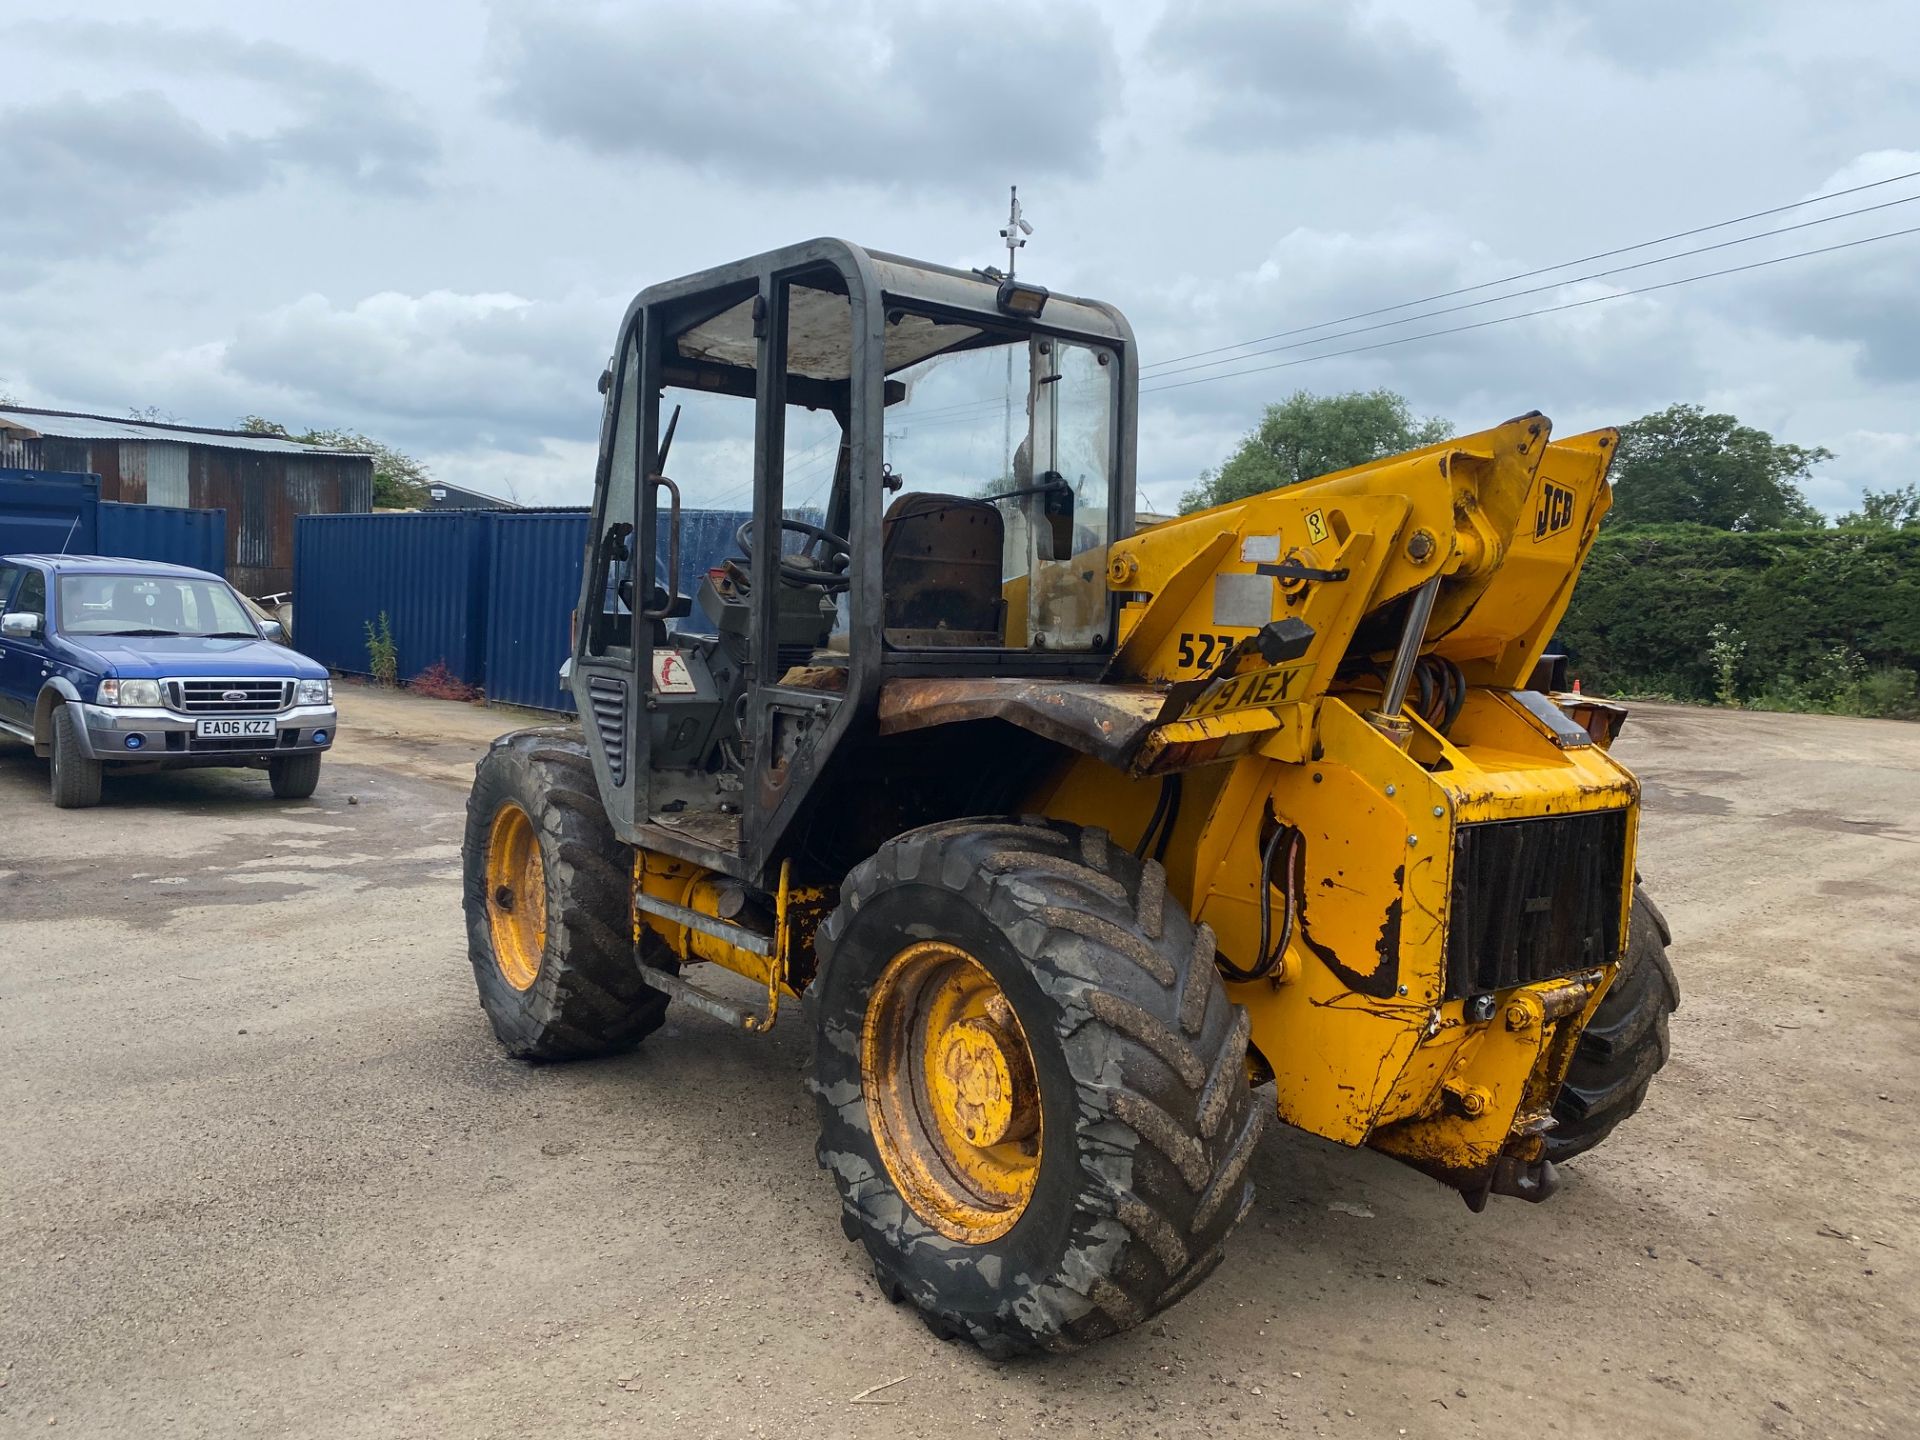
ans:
(129, 692)
(313, 692)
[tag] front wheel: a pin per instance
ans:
(549, 927)
(1032, 1087)
(76, 779)
(294, 777)
(1625, 1043)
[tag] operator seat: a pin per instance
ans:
(940, 562)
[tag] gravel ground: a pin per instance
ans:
(264, 1172)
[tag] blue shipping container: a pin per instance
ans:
(164, 532)
(426, 572)
(534, 576)
(489, 592)
(48, 512)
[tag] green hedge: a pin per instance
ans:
(1813, 619)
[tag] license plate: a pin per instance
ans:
(235, 729)
(1257, 689)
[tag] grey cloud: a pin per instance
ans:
(1602, 364)
(440, 369)
(1642, 35)
(1867, 300)
(346, 122)
(93, 176)
(804, 95)
(1280, 73)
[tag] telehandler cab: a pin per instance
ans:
(1071, 834)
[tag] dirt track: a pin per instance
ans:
(263, 1171)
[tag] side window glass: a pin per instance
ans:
(8, 574)
(33, 594)
(615, 572)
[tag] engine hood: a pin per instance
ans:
(139, 657)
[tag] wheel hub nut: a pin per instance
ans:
(986, 1084)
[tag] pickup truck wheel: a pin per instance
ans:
(549, 915)
(295, 777)
(76, 779)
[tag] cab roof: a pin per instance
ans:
(109, 565)
(721, 327)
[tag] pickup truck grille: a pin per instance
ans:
(229, 697)
(1534, 899)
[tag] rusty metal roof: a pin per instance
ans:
(70, 425)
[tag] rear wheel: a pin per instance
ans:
(294, 777)
(549, 927)
(1032, 1087)
(76, 779)
(1625, 1044)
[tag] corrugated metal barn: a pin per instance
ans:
(261, 481)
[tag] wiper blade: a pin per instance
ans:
(118, 633)
(229, 635)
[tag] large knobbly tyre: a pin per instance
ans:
(1626, 1042)
(75, 778)
(1114, 1195)
(547, 904)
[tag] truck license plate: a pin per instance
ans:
(231, 729)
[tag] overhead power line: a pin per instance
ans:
(1529, 314)
(1540, 289)
(1543, 270)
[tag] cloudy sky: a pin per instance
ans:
(424, 221)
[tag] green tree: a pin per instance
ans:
(1309, 435)
(1887, 509)
(1681, 464)
(399, 481)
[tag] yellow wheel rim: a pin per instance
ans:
(516, 896)
(951, 1093)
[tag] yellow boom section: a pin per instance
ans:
(1357, 859)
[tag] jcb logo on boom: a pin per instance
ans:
(1556, 510)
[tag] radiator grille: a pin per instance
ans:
(609, 700)
(1533, 899)
(229, 697)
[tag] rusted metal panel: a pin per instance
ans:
(166, 472)
(262, 483)
(1107, 722)
(104, 459)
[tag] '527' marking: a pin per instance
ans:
(1257, 689)
(1203, 650)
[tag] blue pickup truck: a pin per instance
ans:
(129, 665)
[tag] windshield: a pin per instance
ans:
(1027, 425)
(152, 605)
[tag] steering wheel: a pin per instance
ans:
(837, 547)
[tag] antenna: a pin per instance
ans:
(1017, 228)
(70, 529)
(1015, 234)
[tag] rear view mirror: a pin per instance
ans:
(274, 631)
(20, 625)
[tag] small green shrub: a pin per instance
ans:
(383, 658)
(1889, 693)
(1725, 649)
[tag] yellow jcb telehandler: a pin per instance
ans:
(1071, 836)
